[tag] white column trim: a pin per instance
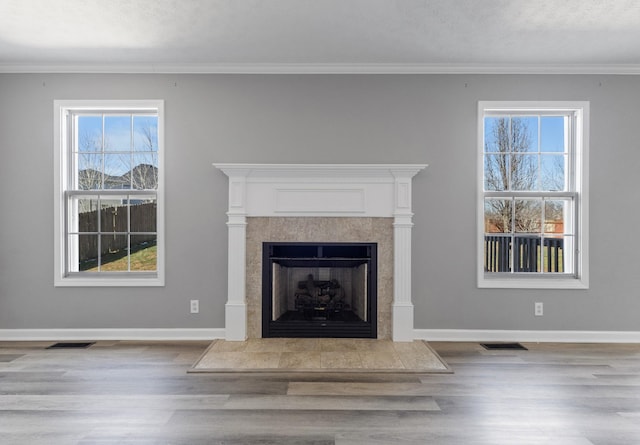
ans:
(402, 319)
(236, 306)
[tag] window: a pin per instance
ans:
(109, 193)
(532, 205)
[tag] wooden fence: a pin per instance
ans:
(114, 229)
(529, 250)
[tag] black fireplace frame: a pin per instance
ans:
(317, 254)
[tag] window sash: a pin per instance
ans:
(569, 250)
(75, 154)
(72, 231)
(570, 153)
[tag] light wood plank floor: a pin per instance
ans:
(140, 393)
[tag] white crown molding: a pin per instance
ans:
(486, 335)
(318, 68)
(110, 334)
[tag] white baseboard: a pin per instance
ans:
(109, 334)
(486, 335)
(472, 335)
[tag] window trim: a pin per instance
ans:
(62, 110)
(579, 279)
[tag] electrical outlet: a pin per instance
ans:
(195, 306)
(539, 310)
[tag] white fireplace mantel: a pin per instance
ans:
(320, 190)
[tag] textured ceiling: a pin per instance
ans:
(320, 35)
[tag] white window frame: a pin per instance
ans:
(63, 112)
(580, 157)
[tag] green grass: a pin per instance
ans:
(143, 258)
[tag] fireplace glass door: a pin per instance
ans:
(319, 290)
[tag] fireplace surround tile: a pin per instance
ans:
(318, 229)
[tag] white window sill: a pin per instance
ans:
(78, 281)
(531, 283)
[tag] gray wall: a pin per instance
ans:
(317, 119)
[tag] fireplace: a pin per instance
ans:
(319, 290)
(325, 203)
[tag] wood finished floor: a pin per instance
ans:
(140, 393)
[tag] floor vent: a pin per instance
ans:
(503, 346)
(74, 345)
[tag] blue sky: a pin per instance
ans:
(550, 131)
(117, 136)
(117, 131)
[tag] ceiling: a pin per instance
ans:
(591, 36)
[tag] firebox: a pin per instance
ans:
(319, 290)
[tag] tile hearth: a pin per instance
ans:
(319, 354)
